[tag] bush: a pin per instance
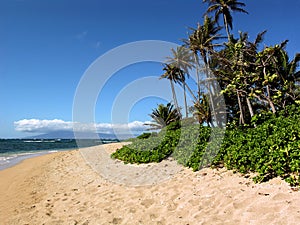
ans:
(192, 145)
(153, 149)
(144, 136)
(186, 145)
(271, 149)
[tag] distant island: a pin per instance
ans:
(80, 135)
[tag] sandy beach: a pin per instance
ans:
(62, 188)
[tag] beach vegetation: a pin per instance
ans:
(261, 89)
(144, 136)
(175, 75)
(153, 149)
(182, 61)
(271, 149)
(163, 115)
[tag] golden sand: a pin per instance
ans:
(61, 188)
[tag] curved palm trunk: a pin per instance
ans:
(210, 85)
(226, 27)
(185, 102)
(241, 120)
(249, 104)
(175, 98)
(197, 74)
(190, 91)
(250, 108)
(268, 92)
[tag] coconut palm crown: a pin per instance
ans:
(225, 8)
(163, 115)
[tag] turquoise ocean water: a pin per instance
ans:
(13, 151)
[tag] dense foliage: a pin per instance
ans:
(252, 78)
(152, 149)
(260, 86)
(271, 149)
(146, 135)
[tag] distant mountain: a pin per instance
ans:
(79, 135)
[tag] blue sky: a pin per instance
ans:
(46, 47)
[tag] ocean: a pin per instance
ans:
(13, 151)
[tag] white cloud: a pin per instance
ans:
(120, 128)
(45, 126)
(41, 126)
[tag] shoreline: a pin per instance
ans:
(20, 157)
(9, 157)
(61, 188)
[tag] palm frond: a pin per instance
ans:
(162, 116)
(260, 37)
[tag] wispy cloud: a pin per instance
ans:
(98, 44)
(81, 35)
(45, 126)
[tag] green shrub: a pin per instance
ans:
(271, 149)
(192, 145)
(153, 149)
(144, 136)
(186, 145)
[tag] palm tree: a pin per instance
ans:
(173, 74)
(225, 7)
(163, 115)
(293, 78)
(182, 59)
(202, 41)
(202, 111)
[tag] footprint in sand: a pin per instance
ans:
(116, 220)
(244, 203)
(194, 202)
(147, 203)
(132, 210)
(280, 197)
(172, 206)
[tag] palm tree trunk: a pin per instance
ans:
(175, 98)
(268, 91)
(242, 121)
(226, 27)
(250, 107)
(209, 91)
(191, 92)
(197, 74)
(212, 104)
(270, 101)
(185, 102)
